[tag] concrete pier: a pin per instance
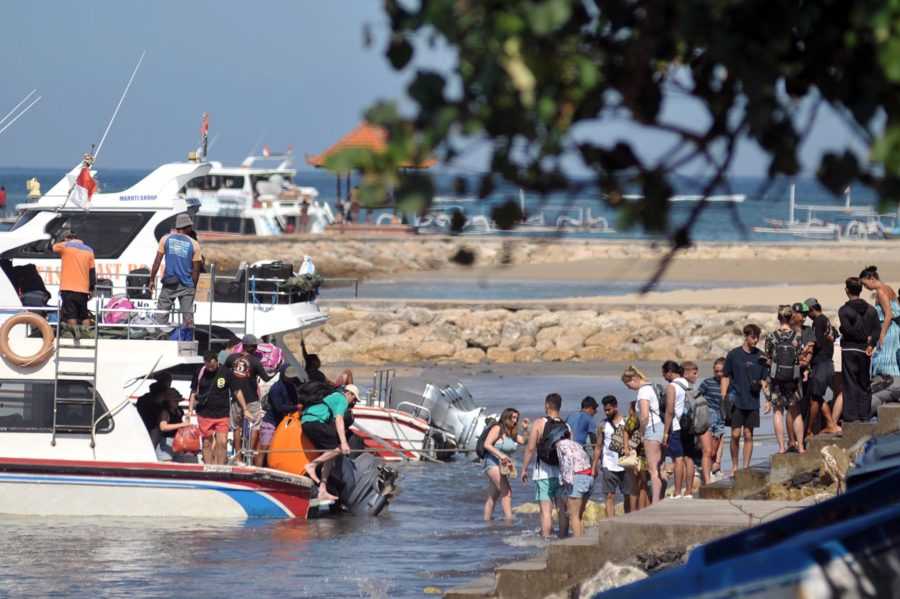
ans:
(670, 524)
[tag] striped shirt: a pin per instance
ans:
(77, 261)
(711, 389)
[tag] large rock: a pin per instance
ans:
(604, 339)
(525, 341)
(501, 355)
(339, 351)
(551, 333)
(593, 353)
(430, 350)
(393, 328)
(557, 355)
(316, 340)
(547, 319)
(484, 335)
(527, 354)
(470, 355)
(571, 340)
(416, 316)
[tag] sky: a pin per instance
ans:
(273, 71)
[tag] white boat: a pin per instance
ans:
(124, 229)
(252, 199)
(733, 198)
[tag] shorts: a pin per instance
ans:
(654, 433)
(744, 418)
(74, 305)
(546, 489)
(716, 422)
(633, 479)
(580, 487)
(783, 395)
(820, 379)
(612, 482)
(323, 436)
(266, 432)
(237, 414)
(209, 426)
(675, 448)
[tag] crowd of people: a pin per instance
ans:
(812, 375)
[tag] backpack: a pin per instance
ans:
(479, 446)
(546, 451)
(785, 357)
(695, 417)
(269, 354)
(660, 391)
(122, 306)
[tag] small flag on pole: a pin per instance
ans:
(204, 132)
(84, 188)
(266, 151)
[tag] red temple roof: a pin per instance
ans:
(365, 136)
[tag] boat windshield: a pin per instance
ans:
(215, 182)
(24, 218)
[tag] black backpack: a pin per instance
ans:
(489, 424)
(785, 354)
(546, 451)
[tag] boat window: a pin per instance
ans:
(27, 406)
(24, 218)
(249, 227)
(108, 233)
(165, 227)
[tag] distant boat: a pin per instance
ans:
(735, 198)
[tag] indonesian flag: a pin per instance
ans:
(266, 151)
(204, 133)
(84, 188)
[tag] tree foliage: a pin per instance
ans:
(531, 77)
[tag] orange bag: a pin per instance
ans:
(289, 448)
(187, 440)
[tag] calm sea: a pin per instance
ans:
(720, 222)
(431, 536)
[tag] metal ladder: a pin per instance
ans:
(238, 327)
(75, 361)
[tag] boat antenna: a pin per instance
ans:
(22, 112)
(118, 106)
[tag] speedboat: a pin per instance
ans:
(252, 199)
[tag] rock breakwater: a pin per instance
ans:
(407, 335)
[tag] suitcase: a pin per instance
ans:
(265, 279)
(136, 284)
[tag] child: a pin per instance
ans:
(577, 477)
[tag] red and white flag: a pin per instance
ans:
(204, 133)
(84, 189)
(266, 151)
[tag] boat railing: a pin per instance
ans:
(382, 388)
(417, 410)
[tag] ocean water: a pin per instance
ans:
(720, 222)
(431, 536)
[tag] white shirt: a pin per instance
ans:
(646, 393)
(610, 458)
(679, 384)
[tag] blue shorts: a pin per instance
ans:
(716, 423)
(675, 448)
(580, 487)
(654, 433)
(546, 489)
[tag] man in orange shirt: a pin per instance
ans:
(77, 278)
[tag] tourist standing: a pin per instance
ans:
(782, 350)
(211, 397)
(711, 441)
(282, 400)
(500, 444)
(582, 422)
(77, 278)
(693, 454)
(860, 332)
(651, 425)
(612, 442)
(636, 475)
(244, 369)
(546, 472)
(742, 380)
(884, 360)
(821, 370)
(182, 271)
(672, 439)
(577, 479)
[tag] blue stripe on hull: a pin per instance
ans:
(254, 503)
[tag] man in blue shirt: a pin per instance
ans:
(179, 281)
(711, 390)
(582, 423)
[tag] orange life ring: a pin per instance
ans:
(35, 320)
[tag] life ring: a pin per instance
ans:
(35, 320)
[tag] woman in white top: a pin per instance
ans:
(673, 442)
(651, 424)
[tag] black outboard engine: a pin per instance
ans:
(364, 486)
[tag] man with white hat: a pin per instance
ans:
(182, 271)
(325, 424)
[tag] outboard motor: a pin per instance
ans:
(453, 411)
(364, 486)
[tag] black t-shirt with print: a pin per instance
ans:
(824, 349)
(243, 369)
(213, 389)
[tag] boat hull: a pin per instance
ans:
(392, 435)
(118, 489)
